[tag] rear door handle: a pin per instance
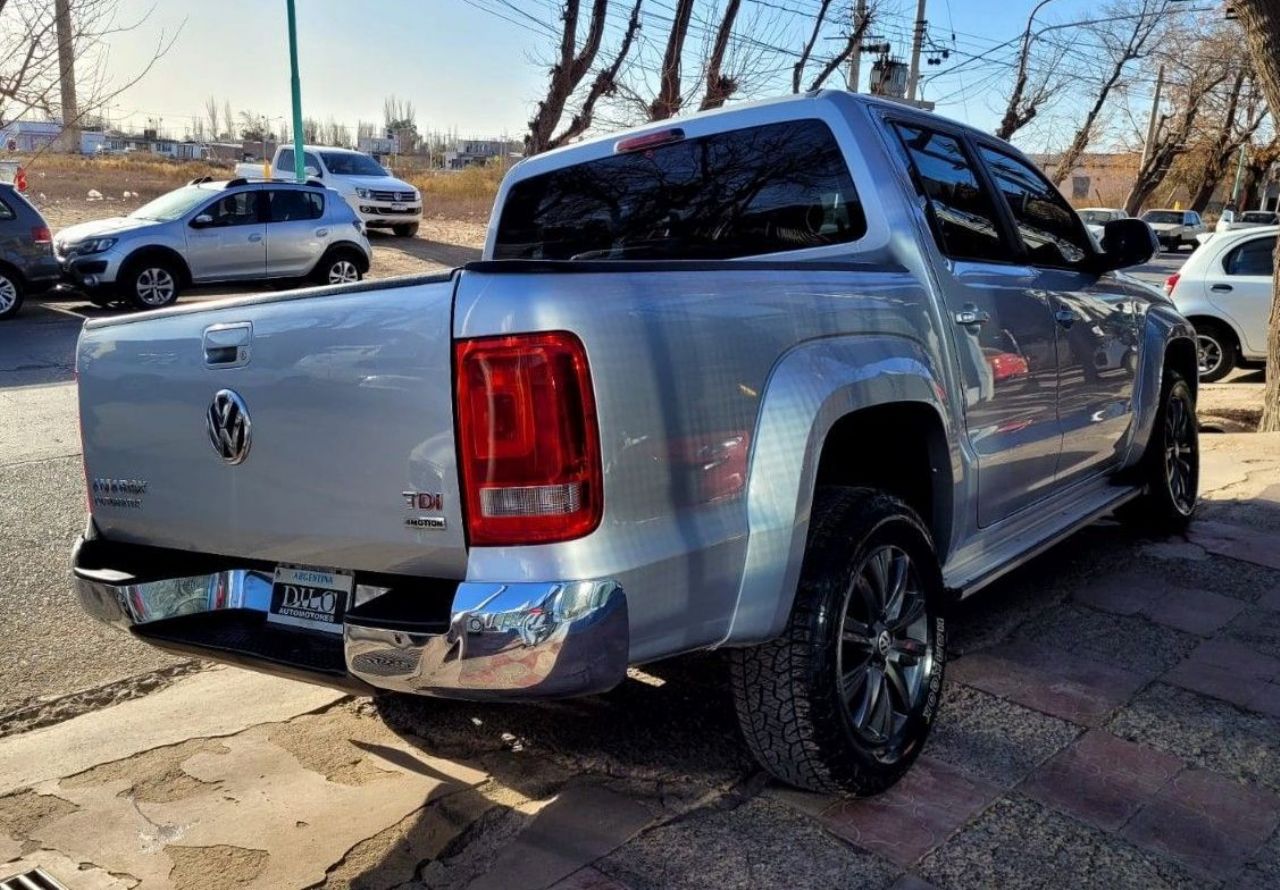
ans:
(320, 233)
(228, 345)
(972, 315)
(1065, 317)
(1220, 288)
(255, 237)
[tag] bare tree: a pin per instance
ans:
(1261, 21)
(572, 65)
(228, 119)
(720, 85)
(605, 84)
(669, 100)
(1259, 159)
(30, 69)
(1232, 132)
(1125, 37)
(832, 64)
(211, 112)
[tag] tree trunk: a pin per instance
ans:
(668, 101)
(567, 73)
(720, 86)
(1261, 21)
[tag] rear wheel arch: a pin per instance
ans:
(1224, 333)
(13, 272)
(360, 257)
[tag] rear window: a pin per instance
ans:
(1261, 217)
(1162, 216)
(753, 191)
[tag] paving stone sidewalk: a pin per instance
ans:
(1112, 719)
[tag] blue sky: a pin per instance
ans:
(466, 67)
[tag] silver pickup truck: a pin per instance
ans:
(784, 380)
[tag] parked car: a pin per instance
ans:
(1230, 220)
(208, 232)
(1095, 218)
(378, 198)
(1175, 228)
(784, 379)
(27, 265)
(1225, 290)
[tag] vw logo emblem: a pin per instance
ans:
(229, 432)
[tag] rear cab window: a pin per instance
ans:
(758, 190)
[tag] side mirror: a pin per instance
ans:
(202, 221)
(312, 172)
(1126, 242)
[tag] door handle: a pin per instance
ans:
(255, 237)
(1065, 317)
(227, 345)
(1220, 288)
(320, 233)
(972, 315)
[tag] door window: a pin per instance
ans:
(1254, 257)
(1047, 225)
(961, 213)
(290, 205)
(284, 160)
(238, 209)
(6, 212)
(310, 160)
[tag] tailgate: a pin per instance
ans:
(349, 459)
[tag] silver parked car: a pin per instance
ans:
(207, 232)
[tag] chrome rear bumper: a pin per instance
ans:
(502, 641)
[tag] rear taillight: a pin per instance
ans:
(1171, 282)
(41, 235)
(527, 439)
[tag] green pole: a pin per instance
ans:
(299, 166)
(1235, 189)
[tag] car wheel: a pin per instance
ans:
(11, 295)
(406, 230)
(844, 699)
(1170, 467)
(340, 267)
(150, 284)
(1215, 351)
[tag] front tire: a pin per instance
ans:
(1215, 351)
(844, 699)
(1170, 467)
(12, 293)
(405, 230)
(150, 284)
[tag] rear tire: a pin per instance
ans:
(1170, 467)
(150, 283)
(405, 230)
(339, 267)
(12, 293)
(1215, 351)
(843, 700)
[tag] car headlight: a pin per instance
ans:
(362, 193)
(95, 245)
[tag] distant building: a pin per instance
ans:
(478, 152)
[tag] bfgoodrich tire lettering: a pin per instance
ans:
(802, 699)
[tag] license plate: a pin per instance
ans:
(399, 208)
(311, 598)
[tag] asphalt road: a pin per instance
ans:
(47, 647)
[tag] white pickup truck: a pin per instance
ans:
(783, 380)
(381, 200)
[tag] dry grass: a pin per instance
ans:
(69, 177)
(464, 194)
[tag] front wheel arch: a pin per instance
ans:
(166, 254)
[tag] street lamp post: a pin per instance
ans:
(295, 85)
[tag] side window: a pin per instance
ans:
(6, 212)
(310, 160)
(289, 205)
(1254, 257)
(962, 215)
(1047, 225)
(235, 210)
(284, 160)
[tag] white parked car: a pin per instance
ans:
(1231, 220)
(1225, 289)
(380, 200)
(1175, 228)
(1096, 218)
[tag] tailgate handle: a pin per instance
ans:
(228, 345)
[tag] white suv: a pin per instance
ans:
(1225, 289)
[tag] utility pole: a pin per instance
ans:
(295, 86)
(1153, 122)
(855, 57)
(917, 43)
(67, 75)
